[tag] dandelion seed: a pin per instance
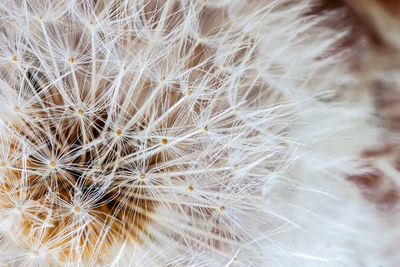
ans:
(142, 176)
(164, 141)
(14, 58)
(190, 188)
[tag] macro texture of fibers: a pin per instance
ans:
(199, 133)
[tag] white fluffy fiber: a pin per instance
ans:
(219, 124)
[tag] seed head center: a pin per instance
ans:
(118, 133)
(76, 209)
(52, 164)
(80, 112)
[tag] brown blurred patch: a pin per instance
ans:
(391, 6)
(350, 19)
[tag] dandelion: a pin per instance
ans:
(165, 133)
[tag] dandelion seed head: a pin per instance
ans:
(112, 164)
